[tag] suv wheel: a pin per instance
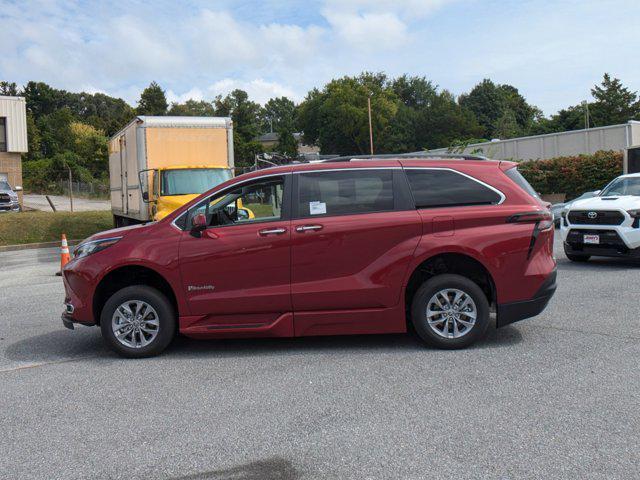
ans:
(138, 321)
(450, 311)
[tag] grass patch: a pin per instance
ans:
(35, 227)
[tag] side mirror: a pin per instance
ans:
(17, 188)
(199, 222)
(243, 214)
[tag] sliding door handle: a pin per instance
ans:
(304, 228)
(272, 231)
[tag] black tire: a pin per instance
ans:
(577, 258)
(428, 290)
(166, 319)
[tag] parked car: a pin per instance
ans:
(558, 208)
(606, 225)
(9, 197)
(350, 246)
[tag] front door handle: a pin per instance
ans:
(304, 228)
(272, 231)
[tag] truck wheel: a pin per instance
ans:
(138, 321)
(450, 311)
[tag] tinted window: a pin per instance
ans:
(519, 180)
(3, 134)
(445, 188)
(339, 193)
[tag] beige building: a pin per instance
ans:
(13, 139)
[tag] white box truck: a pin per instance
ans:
(157, 164)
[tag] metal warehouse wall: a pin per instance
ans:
(539, 147)
(15, 111)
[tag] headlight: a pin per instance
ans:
(89, 248)
(563, 213)
(634, 213)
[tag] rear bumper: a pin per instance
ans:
(512, 312)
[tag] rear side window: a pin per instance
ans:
(434, 188)
(348, 192)
(519, 180)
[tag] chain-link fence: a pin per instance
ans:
(84, 189)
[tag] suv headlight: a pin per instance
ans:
(89, 248)
(634, 213)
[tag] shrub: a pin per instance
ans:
(572, 175)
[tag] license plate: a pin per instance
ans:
(592, 239)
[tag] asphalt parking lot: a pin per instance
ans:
(556, 396)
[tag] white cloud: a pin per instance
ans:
(259, 90)
(193, 94)
(368, 31)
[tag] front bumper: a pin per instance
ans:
(512, 312)
(9, 207)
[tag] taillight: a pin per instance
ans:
(543, 221)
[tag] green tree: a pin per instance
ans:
(246, 116)
(277, 113)
(193, 108)
(152, 101)
(490, 103)
(8, 88)
(614, 103)
(336, 117)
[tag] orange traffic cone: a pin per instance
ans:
(64, 254)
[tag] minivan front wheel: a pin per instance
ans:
(138, 321)
(450, 311)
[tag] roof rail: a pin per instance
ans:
(421, 155)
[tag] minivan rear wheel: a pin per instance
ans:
(450, 311)
(138, 321)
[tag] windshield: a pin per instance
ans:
(4, 185)
(622, 186)
(193, 180)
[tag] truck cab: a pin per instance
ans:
(172, 187)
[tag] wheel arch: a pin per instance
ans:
(126, 276)
(450, 262)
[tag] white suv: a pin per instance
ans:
(607, 225)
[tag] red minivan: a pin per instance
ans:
(346, 246)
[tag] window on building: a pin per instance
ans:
(3, 134)
(348, 192)
(433, 188)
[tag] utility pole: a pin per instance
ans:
(70, 188)
(586, 114)
(370, 126)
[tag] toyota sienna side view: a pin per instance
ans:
(346, 246)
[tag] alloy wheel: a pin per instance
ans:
(451, 313)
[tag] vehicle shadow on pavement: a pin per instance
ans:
(601, 263)
(87, 342)
(270, 469)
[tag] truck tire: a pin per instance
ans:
(450, 311)
(138, 321)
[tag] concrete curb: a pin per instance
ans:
(29, 246)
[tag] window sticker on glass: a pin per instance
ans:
(317, 208)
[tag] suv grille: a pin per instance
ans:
(602, 217)
(4, 198)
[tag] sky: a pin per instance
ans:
(552, 51)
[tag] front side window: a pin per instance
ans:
(434, 188)
(257, 202)
(622, 186)
(3, 134)
(345, 192)
(192, 181)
